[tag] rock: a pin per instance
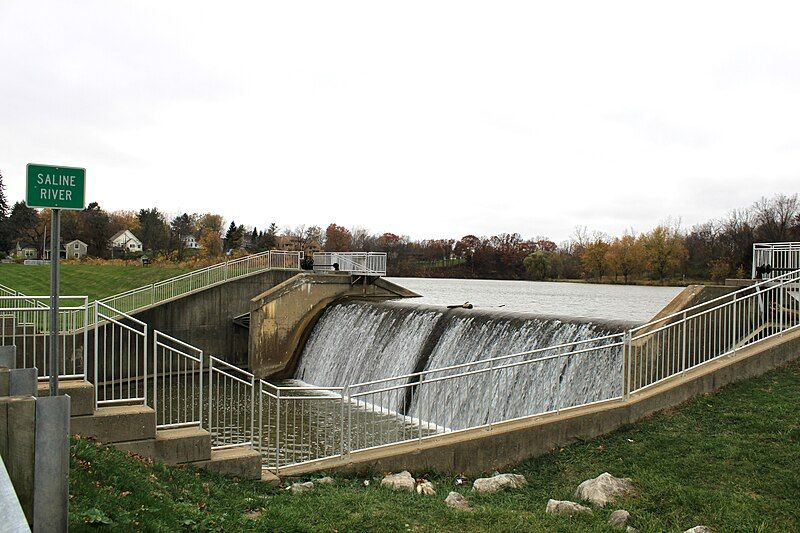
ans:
(630, 529)
(699, 529)
(558, 507)
(425, 488)
(401, 481)
(326, 481)
(457, 501)
(499, 482)
(298, 488)
(619, 518)
(604, 488)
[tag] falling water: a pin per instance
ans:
(356, 342)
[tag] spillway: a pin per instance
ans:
(357, 342)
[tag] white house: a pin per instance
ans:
(76, 249)
(126, 241)
(190, 242)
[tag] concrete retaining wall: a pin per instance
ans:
(205, 318)
(484, 450)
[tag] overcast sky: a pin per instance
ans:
(428, 119)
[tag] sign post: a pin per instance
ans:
(56, 188)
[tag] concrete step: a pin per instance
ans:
(243, 462)
(173, 446)
(120, 423)
(81, 394)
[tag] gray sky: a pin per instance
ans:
(427, 118)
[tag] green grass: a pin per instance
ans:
(729, 461)
(95, 281)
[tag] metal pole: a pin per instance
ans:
(55, 233)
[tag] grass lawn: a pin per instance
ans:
(95, 281)
(729, 461)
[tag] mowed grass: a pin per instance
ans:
(729, 461)
(94, 281)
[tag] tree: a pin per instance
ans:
(234, 237)
(94, 226)
(337, 238)
(181, 227)
(153, 228)
(23, 224)
(537, 265)
(625, 256)
(663, 250)
(594, 258)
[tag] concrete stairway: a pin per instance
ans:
(132, 428)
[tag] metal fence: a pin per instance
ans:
(177, 382)
(25, 323)
(175, 287)
(361, 263)
(231, 405)
(120, 357)
(771, 260)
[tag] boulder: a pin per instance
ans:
(326, 480)
(619, 518)
(299, 488)
(425, 488)
(604, 489)
(402, 481)
(559, 507)
(457, 501)
(499, 482)
(699, 529)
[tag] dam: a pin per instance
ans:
(340, 368)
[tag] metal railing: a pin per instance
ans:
(177, 382)
(231, 405)
(183, 284)
(120, 357)
(361, 263)
(25, 323)
(774, 259)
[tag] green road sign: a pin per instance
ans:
(56, 187)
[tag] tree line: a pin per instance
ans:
(712, 250)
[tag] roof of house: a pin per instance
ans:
(78, 240)
(122, 232)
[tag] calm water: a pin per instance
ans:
(583, 300)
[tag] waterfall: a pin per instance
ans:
(356, 342)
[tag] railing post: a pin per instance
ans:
(493, 386)
(627, 357)
(155, 372)
(211, 397)
(345, 394)
(261, 419)
(200, 400)
(683, 343)
(96, 345)
(278, 431)
(252, 409)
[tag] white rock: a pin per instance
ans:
(559, 507)
(604, 488)
(499, 482)
(619, 518)
(699, 529)
(425, 488)
(630, 529)
(457, 501)
(326, 480)
(298, 488)
(402, 481)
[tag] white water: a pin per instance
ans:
(355, 342)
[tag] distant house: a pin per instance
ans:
(76, 249)
(25, 250)
(190, 242)
(295, 243)
(46, 251)
(126, 242)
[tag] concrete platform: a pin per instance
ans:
(243, 462)
(80, 392)
(173, 446)
(116, 424)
